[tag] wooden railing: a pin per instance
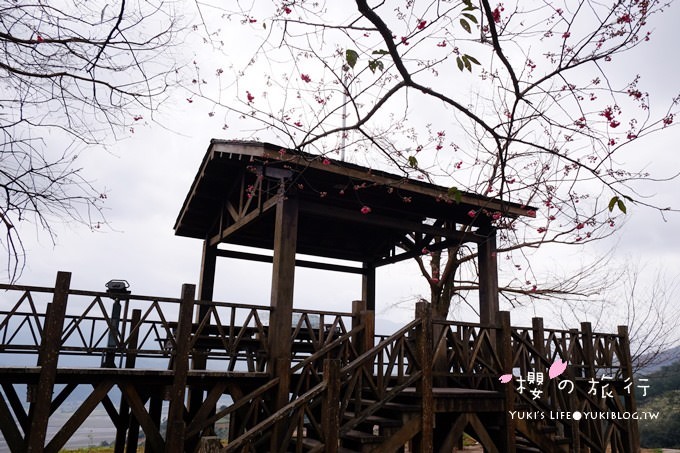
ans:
(336, 366)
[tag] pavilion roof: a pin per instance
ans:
(236, 185)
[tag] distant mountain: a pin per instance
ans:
(662, 359)
(662, 398)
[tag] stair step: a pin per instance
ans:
(361, 437)
(394, 406)
(376, 420)
(313, 444)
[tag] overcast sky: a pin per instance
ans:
(147, 176)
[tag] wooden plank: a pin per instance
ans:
(78, 417)
(39, 411)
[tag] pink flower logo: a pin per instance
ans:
(505, 378)
(557, 368)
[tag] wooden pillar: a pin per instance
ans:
(364, 341)
(632, 437)
(176, 426)
(39, 411)
(206, 282)
(206, 288)
(368, 286)
(505, 353)
(124, 420)
(330, 413)
(488, 279)
(423, 441)
(283, 278)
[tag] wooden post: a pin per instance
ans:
(206, 288)
(488, 279)
(588, 359)
(280, 322)
(152, 445)
(330, 417)
(206, 283)
(632, 437)
(360, 315)
(539, 342)
(130, 360)
(424, 440)
(176, 426)
(368, 286)
(504, 348)
(39, 411)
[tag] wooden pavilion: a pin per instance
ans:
(319, 381)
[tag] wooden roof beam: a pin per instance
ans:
(377, 220)
(245, 220)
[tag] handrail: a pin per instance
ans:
(363, 358)
(280, 414)
(195, 428)
(324, 350)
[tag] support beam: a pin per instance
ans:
(381, 221)
(298, 263)
(368, 286)
(488, 280)
(283, 278)
(206, 290)
(245, 220)
(206, 282)
(39, 412)
(176, 426)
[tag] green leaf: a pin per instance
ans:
(612, 203)
(465, 25)
(412, 162)
(616, 201)
(375, 64)
(380, 52)
(472, 59)
(468, 5)
(456, 194)
(466, 60)
(352, 56)
(472, 17)
(622, 207)
(459, 62)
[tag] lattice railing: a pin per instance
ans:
(146, 327)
